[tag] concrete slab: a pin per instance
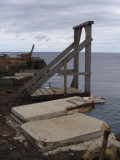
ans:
(52, 133)
(50, 109)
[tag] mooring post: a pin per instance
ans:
(104, 144)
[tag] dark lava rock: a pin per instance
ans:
(5, 129)
(117, 137)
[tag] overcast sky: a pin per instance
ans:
(48, 24)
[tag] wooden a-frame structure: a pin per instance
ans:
(71, 52)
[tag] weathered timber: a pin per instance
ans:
(88, 60)
(70, 72)
(83, 24)
(71, 52)
(49, 91)
(52, 93)
(104, 144)
(74, 90)
(44, 91)
(38, 92)
(58, 66)
(46, 68)
(77, 36)
(65, 79)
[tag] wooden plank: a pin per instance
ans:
(73, 73)
(39, 93)
(69, 91)
(49, 90)
(83, 24)
(77, 36)
(60, 90)
(54, 70)
(34, 94)
(45, 92)
(74, 90)
(65, 79)
(67, 71)
(46, 68)
(55, 91)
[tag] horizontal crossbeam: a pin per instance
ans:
(83, 24)
(46, 69)
(54, 70)
(71, 72)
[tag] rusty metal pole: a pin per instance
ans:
(104, 144)
(118, 153)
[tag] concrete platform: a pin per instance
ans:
(52, 133)
(50, 109)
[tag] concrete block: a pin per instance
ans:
(52, 133)
(49, 109)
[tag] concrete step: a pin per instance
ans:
(51, 109)
(50, 134)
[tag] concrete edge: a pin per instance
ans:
(44, 146)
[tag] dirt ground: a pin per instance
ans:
(14, 149)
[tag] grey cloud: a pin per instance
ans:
(17, 36)
(26, 16)
(39, 38)
(48, 39)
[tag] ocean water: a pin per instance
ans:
(105, 82)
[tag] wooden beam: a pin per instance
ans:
(67, 70)
(65, 79)
(83, 24)
(46, 69)
(104, 144)
(54, 70)
(88, 59)
(73, 73)
(77, 36)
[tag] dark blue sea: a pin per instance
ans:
(105, 82)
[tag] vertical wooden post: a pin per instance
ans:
(65, 79)
(77, 35)
(118, 153)
(104, 144)
(88, 60)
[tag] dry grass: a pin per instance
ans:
(111, 152)
(90, 154)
